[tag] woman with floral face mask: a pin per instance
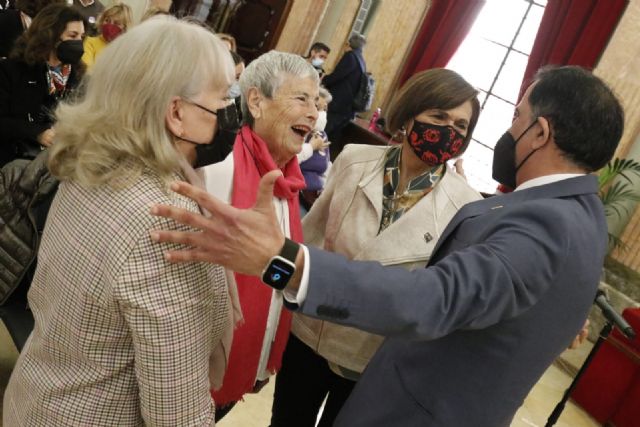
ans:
(111, 23)
(386, 204)
(44, 67)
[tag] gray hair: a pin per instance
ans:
(267, 73)
(357, 41)
(325, 94)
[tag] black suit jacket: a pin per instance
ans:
(25, 107)
(343, 82)
(10, 29)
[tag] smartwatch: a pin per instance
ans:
(282, 266)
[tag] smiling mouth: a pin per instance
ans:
(301, 130)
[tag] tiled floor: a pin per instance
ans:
(256, 409)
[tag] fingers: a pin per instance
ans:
(204, 199)
(184, 217)
(265, 191)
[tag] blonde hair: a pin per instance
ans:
(153, 11)
(117, 129)
(120, 12)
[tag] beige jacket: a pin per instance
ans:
(346, 218)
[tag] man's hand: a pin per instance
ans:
(243, 240)
(46, 138)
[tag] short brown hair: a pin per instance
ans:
(43, 35)
(436, 88)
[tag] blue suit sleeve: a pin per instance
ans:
(472, 288)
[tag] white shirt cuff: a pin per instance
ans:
(299, 296)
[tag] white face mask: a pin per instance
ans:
(322, 121)
(317, 62)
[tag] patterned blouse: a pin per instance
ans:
(394, 205)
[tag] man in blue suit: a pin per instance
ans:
(507, 288)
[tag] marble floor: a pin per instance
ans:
(256, 409)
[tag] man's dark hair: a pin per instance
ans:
(585, 116)
(319, 46)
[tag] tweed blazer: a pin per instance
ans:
(121, 337)
(346, 218)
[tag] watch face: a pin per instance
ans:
(278, 273)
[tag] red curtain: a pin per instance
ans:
(443, 30)
(573, 32)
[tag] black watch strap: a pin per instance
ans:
(289, 250)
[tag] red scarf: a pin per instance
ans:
(251, 160)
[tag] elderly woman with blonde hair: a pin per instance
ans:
(121, 336)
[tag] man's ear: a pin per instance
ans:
(173, 116)
(543, 134)
(254, 101)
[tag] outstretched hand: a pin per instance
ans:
(243, 240)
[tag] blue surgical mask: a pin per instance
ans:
(234, 90)
(317, 62)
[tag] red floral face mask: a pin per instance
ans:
(435, 144)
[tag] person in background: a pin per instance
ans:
(153, 11)
(279, 95)
(343, 84)
(234, 90)
(317, 56)
(90, 10)
(121, 337)
(229, 40)
(14, 22)
(386, 204)
(113, 21)
(314, 156)
(44, 68)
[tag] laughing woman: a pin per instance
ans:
(279, 95)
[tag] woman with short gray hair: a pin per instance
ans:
(279, 96)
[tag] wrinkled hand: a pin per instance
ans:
(46, 138)
(579, 339)
(243, 240)
(318, 143)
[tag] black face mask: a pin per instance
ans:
(70, 51)
(504, 158)
(222, 143)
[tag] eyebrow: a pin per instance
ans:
(459, 121)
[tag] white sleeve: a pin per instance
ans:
(305, 153)
(299, 296)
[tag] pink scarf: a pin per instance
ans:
(251, 161)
